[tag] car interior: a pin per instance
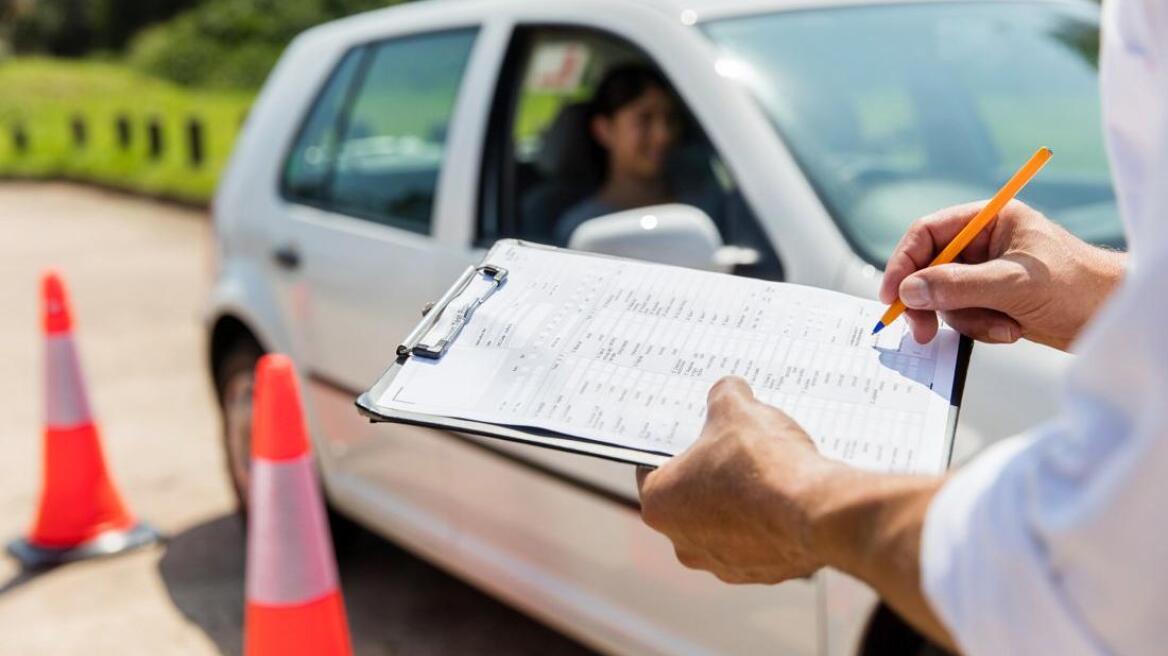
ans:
(551, 162)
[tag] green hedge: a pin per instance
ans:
(44, 97)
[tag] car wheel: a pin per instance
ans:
(234, 380)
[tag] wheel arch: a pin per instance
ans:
(226, 331)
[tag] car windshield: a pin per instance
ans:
(895, 111)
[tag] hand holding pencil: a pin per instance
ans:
(1018, 275)
(977, 225)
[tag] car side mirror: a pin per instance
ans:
(677, 234)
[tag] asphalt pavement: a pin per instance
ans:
(138, 273)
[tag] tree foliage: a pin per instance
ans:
(77, 27)
(215, 43)
(232, 43)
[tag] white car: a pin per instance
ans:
(389, 149)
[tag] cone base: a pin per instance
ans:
(314, 628)
(34, 556)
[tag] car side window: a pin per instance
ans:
(393, 139)
(544, 167)
(307, 168)
(373, 145)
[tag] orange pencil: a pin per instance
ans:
(979, 223)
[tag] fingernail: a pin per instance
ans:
(1000, 332)
(915, 293)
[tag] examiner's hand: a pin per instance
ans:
(733, 503)
(1024, 276)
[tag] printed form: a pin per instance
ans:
(623, 352)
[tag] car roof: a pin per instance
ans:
(702, 10)
(684, 11)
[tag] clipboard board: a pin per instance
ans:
(440, 326)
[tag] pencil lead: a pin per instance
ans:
(878, 328)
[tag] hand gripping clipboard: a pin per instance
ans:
(441, 324)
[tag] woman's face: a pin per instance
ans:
(640, 135)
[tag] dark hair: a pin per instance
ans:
(622, 85)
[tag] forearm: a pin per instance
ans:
(869, 526)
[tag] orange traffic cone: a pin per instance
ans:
(81, 513)
(294, 603)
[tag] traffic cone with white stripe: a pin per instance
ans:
(81, 513)
(294, 603)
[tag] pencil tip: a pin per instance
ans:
(878, 328)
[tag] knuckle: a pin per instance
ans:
(653, 510)
(651, 514)
(946, 275)
(726, 576)
(1017, 207)
(1016, 276)
(952, 285)
(942, 281)
(914, 240)
(687, 558)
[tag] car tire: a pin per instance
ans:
(234, 380)
(234, 383)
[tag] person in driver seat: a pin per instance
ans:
(635, 124)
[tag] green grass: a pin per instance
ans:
(45, 95)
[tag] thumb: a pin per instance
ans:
(992, 284)
(725, 396)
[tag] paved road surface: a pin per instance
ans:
(138, 273)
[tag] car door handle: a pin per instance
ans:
(287, 257)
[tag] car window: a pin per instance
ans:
(895, 110)
(543, 167)
(373, 145)
(307, 168)
(393, 139)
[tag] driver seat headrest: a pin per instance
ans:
(567, 152)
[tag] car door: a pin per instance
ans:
(361, 185)
(537, 160)
(567, 528)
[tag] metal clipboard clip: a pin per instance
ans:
(419, 342)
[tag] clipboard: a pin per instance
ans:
(440, 325)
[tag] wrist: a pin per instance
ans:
(1102, 271)
(1109, 269)
(857, 517)
(836, 517)
(869, 526)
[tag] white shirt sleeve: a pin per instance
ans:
(1056, 542)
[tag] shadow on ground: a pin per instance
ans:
(397, 603)
(18, 579)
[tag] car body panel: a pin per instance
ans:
(555, 534)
